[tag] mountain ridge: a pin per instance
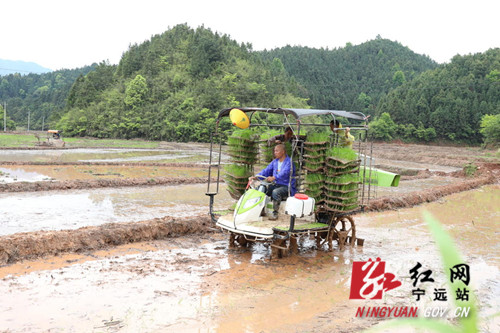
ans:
(22, 67)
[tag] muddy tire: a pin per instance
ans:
(241, 240)
(232, 238)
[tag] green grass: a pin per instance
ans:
(29, 140)
(17, 140)
(470, 169)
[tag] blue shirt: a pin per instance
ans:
(283, 175)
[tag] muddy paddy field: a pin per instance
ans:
(119, 240)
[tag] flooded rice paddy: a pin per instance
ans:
(196, 283)
(34, 173)
(196, 153)
(199, 284)
(73, 209)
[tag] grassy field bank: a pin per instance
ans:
(29, 140)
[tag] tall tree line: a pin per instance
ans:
(353, 77)
(172, 87)
(42, 96)
(452, 98)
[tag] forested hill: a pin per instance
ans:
(353, 77)
(173, 86)
(39, 95)
(452, 99)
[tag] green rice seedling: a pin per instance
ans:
(238, 170)
(314, 194)
(242, 137)
(317, 137)
(342, 153)
(269, 134)
(242, 156)
(313, 178)
(266, 149)
(346, 178)
(313, 165)
(242, 146)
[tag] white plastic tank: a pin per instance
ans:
(299, 205)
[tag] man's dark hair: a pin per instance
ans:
(335, 122)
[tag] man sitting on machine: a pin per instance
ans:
(278, 173)
(288, 136)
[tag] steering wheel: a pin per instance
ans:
(263, 181)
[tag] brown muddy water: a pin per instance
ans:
(73, 209)
(188, 154)
(198, 284)
(34, 173)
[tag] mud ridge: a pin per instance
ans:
(32, 245)
(423, 174)
(419, 197)
(77, 184)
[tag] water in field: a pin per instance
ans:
(72, 209)
(198, 284)
(129, 155)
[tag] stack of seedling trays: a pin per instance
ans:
(267, 149)
(314, 161)
(341, 180)
(314, 183)
(236, 178)
(243, 150)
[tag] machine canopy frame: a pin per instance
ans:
(298, 113)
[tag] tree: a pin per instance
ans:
(490, 129)
(451, 98)
(383, 127)
(398, 78)
(136, 92)
(10, 124)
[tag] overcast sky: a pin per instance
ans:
(73, 33)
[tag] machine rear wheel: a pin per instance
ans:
(345, 230)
